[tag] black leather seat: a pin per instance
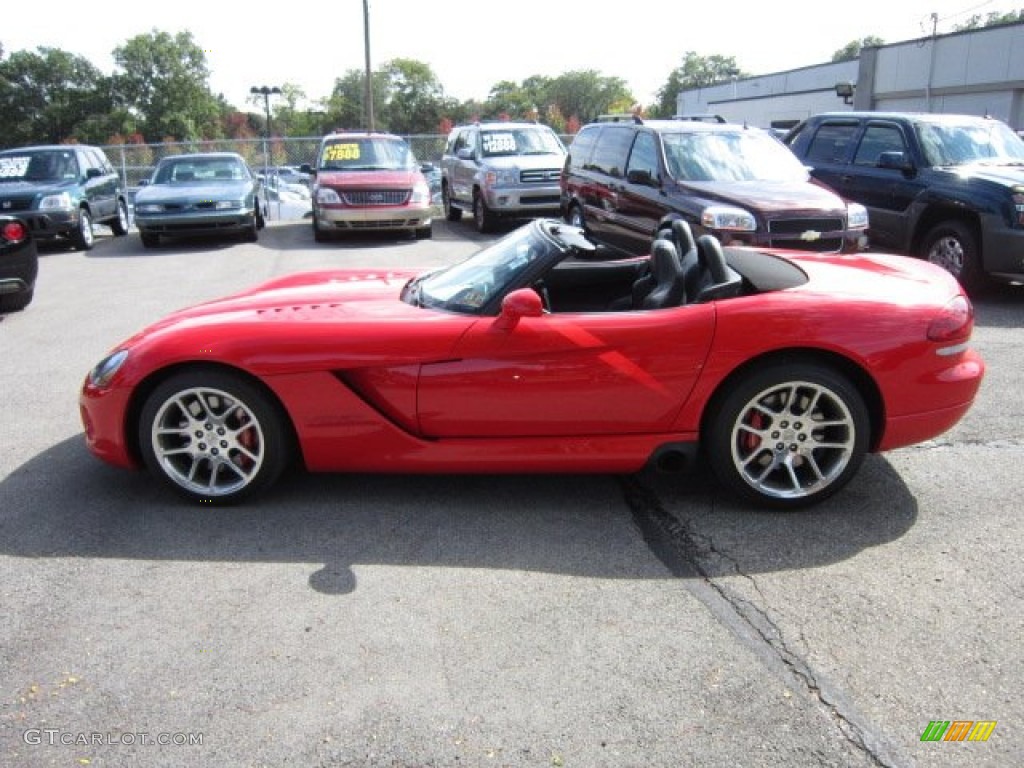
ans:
(716, 279)
(669, 278)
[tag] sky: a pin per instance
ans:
(473, 46)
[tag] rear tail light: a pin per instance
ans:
(954, 322)
(14, 231)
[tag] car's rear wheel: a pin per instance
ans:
(83, 238)
(450, 211)
(13, 302)
(120, 223)
(483, 217)
(213, 436)
(953, 246)
(788, 435)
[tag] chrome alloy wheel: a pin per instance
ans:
(208, 441)
(793, 440)
(948, 253)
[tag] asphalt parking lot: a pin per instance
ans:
(485, 621)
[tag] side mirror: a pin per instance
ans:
(464, 154)
(428, 167)
(640, 177)
(524, 302)
(144, 182)
(897, 161)
(93, 173)
(307, 168)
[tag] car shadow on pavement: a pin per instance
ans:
(64, 503)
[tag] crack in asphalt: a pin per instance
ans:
(687, 554)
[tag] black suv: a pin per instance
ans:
(948, 188)
(61, 191)
(625, 183)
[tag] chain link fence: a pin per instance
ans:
(136, 162)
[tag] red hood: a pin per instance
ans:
(403, 179)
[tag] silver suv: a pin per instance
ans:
(500, 170)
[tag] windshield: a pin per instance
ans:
(531, 140)
(367, 153)
(989, 141)
(730, 156)
(191, 169)
(44, 165)
(470, 285)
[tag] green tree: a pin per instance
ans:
(52, 96)
(343, 109)
(851, 50)
(994, 19)
(696, 72)
(414, 98)
(585, 95)
(164, 80)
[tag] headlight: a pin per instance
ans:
(61, 202)
(149, 208)
(420, 194)
(327, 196)
(226, 205)
(720, 217)
(105, 369)
(1018, 206)
(857, 216)
(500, 178)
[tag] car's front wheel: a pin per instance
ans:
(83, 238)
(120, 223)
(213, 436)
(575, 217)
(953, 246)
(483, 217)
(788, 435)
(149, 240)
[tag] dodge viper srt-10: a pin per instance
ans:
(540, 354)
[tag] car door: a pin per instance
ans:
(100, 186)
(886, 192)
(567, 374)
(607, 177)
(465, 164)
(640, 201)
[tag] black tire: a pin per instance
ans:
(765, 447)
(574, 216)
(450, 211)
(15, 302)
(83, 238)
(484, 219)
(120, 223)
(214, 436)
(262, 211)
(251, 233)
(318, 234)
(424, 233)
(953, 246)
(149, 240)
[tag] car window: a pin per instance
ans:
(975, 142)
(41, 165)
(730, 156)
(582, 147)
(611, 150)
(366, 153)
(190, 169)
(509, 142)
(876, 140)
(831, 143)
(644, 156)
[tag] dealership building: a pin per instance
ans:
(976, 72)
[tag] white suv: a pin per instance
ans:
(499, 170)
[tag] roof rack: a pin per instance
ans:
(620, 117)
(701, 118)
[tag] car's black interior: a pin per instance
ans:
(679, 271)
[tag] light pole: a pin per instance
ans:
(366, 50)
(266, 91)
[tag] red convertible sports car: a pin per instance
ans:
(537, 355)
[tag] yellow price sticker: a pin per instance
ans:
(341, 152)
